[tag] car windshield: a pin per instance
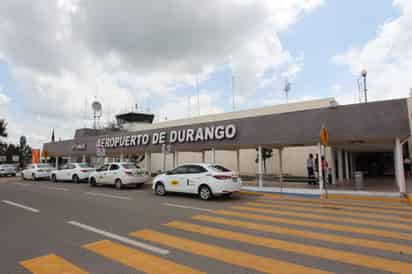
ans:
(219, 168)
(43, 166)
(130, 166)
(83, 165)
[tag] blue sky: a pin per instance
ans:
(91, 62)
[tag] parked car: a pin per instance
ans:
(8, 170)
(75, 172)
(119, 175)
(206, 180)
(37, 171)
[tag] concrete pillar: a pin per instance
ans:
(399, 171)
(203, 157)
(238, 161)
(260, 162)
(176, 158)
(57, 163)
(84, 159)
(174, 165)
(164, 161)
(149, 163)
(213, 156)
(69, 159)
(281, 165)
(106, 160)
(332, 165)
(347, 172)
(320, 168)
(121, 157)
(340, 165)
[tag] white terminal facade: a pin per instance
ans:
(354, 147)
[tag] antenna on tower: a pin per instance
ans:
(197, 94)
(97, 113)
(188, 107)
(85, 112)
(286, 89)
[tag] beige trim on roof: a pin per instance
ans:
(276, 109)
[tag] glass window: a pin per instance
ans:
(114, 167)
(43, 166)
(181, 170)
(193, 169)
(103, 168)
(219, 168)
(83, 165)
(129, 166)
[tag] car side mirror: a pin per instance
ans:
(169, 172)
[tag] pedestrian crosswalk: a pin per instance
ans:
(268, 235)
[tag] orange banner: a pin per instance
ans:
(35, 156)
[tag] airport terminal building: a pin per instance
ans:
(267, 146)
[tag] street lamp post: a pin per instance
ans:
(364, 73)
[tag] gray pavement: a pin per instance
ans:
(264, 237)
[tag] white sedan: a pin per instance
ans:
(75, 172)
(37, 171)
(6, 170)
(206, 180)
(119, 175)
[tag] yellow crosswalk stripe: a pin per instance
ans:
(376, 205)
(333, 211)
(324, 217)
(233, 257)
(136, 259)
(313, 224)
(51, 264)
(398, 213)
(303, 249)
(365, 243)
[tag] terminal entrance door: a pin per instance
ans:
(376, 164)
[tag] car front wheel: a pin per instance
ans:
(205, 193)
(92, 181)
(53, 178)
(33, 177)
(76, 179)
(160, 189)
(118, 184)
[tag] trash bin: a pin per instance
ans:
(358, 180)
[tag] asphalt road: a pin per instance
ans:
(67, 228)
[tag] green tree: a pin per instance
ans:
(266, 154)
(3, 128)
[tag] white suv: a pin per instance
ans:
(119, 175)
(75, 172)
(206, 180)
(37, 171)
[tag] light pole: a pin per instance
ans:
(364, 73)
(286, 89)
(233, 93)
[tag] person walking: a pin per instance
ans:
(316, 167)
(407, 166)
(311, 172)
(325, 167)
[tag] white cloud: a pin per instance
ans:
(387, 57)
(64, 52)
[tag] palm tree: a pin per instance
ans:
(3, 128)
